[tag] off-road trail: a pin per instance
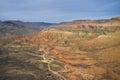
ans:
(54, 72)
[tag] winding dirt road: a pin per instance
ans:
(54, 72)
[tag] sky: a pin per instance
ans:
(58, 10)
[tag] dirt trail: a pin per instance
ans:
(54, 72)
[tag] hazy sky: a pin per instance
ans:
(58, 10)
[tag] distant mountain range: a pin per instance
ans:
(11, 28)
(27, 24)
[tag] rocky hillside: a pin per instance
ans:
(10, 29)
(109, 24)
(89, 49)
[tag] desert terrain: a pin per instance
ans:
(76, 50)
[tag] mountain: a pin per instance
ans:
(40, 24)
(30, 24)
(108, 24)
(89, 49)
(11, 28)
(76, 50)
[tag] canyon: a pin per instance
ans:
(76, 50)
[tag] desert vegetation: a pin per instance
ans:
(77, 50)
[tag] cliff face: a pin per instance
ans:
(112, 24)
(90, 49)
